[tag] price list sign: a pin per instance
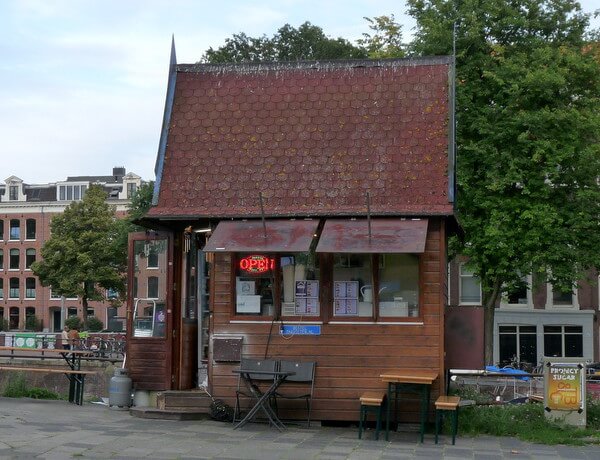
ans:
(307, 298)
(345, 298)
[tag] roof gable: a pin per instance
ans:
(312, 138)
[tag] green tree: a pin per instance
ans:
(528, 131)
(307, 42)
(386, 39)
(84, 255)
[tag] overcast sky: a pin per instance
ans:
(83, 82)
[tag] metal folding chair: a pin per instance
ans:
(304, 373)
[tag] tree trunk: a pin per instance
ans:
(489, 310)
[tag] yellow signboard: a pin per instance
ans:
(564, 388)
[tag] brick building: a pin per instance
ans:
(26, 211)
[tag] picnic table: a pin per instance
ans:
(72, 358)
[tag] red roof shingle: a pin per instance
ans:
(312, 137)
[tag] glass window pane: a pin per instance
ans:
(574, 329)
(254, 275)
(353, 285)
(506, 329)
(299, 280)
(573, 345)
(399, 285)
(552, 345)
(508, 348)
(528, 349)
(562, 298)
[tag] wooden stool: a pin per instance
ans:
(371, 401)
(446, 404)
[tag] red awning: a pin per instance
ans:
(387, 236)
(249, 236)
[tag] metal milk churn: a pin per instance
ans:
(119, 389)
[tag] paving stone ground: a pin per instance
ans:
(59, 430)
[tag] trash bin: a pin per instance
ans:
(119, 389)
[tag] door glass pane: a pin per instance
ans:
(150, 315)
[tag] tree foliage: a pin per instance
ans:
(528, 132)
(307, 42)
(84, 254)
(385, 41)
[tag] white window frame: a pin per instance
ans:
(460, 277)
(529, 305)
(550, 299)
(69, 190)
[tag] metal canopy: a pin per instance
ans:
(249, 236)
(387, 236)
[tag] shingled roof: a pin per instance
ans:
(313, 137)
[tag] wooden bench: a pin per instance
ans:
(371, 401)
(76, 378)
(446, 404)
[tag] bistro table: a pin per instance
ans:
(262, 398)
(401, 381)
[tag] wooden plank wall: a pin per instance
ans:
(350, 357)
(149, 364)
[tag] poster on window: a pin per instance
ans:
(307, 298)
(345, 298)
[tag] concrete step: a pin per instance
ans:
(168, 414)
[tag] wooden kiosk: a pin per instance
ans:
(303, 211)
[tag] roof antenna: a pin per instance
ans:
(369, 212)
(262, 213)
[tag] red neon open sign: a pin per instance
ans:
(256, 264)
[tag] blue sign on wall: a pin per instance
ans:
(297, 329)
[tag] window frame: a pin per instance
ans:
(11, 289)
(148, 296)
(16, 236)
(29, 290)
(12, 258)
(550, 305)
(461, 265)
(30, 229)
(28, 261)
(504, 301)
(563, 333)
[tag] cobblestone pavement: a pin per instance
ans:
(59, 430)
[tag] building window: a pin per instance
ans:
(1, 229)
(13, 292)
(71, 311)
(152, 259)
(518, 295)
(13, 192)
(1, 259)
(30, 288)
(13, 318)
(14, 259)
(131, 188)
(135, 287)
(71, 192)
(469, 287)
(29, 258)
(563, 341)
(1, 288)
(297, 276)
(556, 298)
(518, 345)
(31, 322)
(15, 229)
(153, 287)
(53, 295)
(398, 285)
(255, 275)
(30, 229)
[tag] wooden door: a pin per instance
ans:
(150, 311)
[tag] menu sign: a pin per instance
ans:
(307, 298)
(345, 298)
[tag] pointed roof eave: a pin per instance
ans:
(164, 132)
